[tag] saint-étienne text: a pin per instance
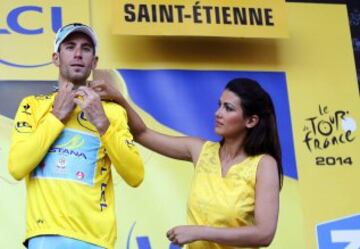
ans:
(198, 14)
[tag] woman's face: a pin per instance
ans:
(230, 120)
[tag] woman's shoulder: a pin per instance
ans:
(261, 158)
(267, 166)
(266, 159)
(209, 147)
(210, 144)
(205, 150)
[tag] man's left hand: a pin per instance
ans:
(90, 103)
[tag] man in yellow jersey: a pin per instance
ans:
(63, 144)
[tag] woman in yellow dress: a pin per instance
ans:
(234, 199)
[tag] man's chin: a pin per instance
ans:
(79, 80)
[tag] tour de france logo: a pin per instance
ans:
(329, 129)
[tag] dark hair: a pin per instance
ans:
(263, 138)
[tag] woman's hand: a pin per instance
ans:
(181, 235)
(106, 91)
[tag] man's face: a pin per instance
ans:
(76, 58)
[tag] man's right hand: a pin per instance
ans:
(64, 102)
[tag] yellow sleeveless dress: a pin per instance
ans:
(219, 201)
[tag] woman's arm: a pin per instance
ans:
(184, 148)
(266, 216)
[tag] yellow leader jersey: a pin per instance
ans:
(68, 170)
(219, 201)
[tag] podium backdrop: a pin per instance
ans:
(174, 83)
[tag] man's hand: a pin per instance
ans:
(106, 91)
(64, 102)
(90, 103)
(181, 235)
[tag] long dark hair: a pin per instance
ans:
(263, 138)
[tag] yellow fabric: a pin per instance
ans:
(68, 170)
(218, 201)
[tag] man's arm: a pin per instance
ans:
(115, 137)
(31, 138)
(122, 151)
